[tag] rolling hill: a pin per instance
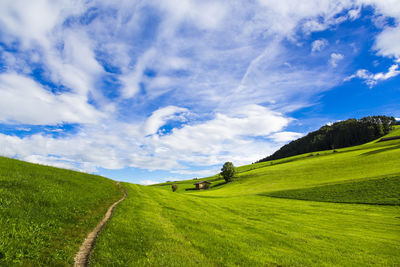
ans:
(340, 134)
(301, 210)
(334, 207)
(46, 212)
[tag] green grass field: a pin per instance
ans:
(241, 224)
(46, 212)
(380, 191)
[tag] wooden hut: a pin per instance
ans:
(202, 185)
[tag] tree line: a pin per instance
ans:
(341, 134)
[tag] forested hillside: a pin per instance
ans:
(341, 134)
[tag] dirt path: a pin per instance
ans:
(82, 257)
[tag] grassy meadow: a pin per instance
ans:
(46, 212)
(259, 219)
(380, 191)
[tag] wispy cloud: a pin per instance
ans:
(372, 79)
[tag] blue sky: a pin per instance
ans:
(150, 91)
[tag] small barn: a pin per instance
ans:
(202, 185)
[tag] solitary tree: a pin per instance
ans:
(228, 171)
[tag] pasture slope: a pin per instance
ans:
(46, 212)
(262, 218)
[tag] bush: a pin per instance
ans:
(174, 187)
(228, 171)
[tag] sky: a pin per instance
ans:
(162, 90)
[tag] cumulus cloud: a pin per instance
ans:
(335, 58)
(113, 146)
(318, 45)
(388, 42)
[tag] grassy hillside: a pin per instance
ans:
(369, 160)
(240, 224)
(381, 191)
(46, 212)
(340, 134)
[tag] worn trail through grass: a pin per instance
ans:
(82, 257)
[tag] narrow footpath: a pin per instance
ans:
(82, 257)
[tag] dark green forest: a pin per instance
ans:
(341, 134)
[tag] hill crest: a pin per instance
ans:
(341, 134)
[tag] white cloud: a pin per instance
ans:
(148, 182)
(388, 8)
(22, 100)
(204, 14)
(283, 137)
(284, 16)
(318, 45)
(34, 22)
(335, 58)
(195, 173)
(161, 116)
(224, 137)
(354, 13)
(132, 79)
(388, 42)
(372, 79)
(114, 146)
(14, 63)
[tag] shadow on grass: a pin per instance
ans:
(377, 151)
(215, 186)
(333, 201)
(192, 189)
(389, 138)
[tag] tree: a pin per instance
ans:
(174, 187)
(228, 171)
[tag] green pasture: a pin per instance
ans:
(241, 224)
(158, 228)
(382, 191)
(46, 212)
